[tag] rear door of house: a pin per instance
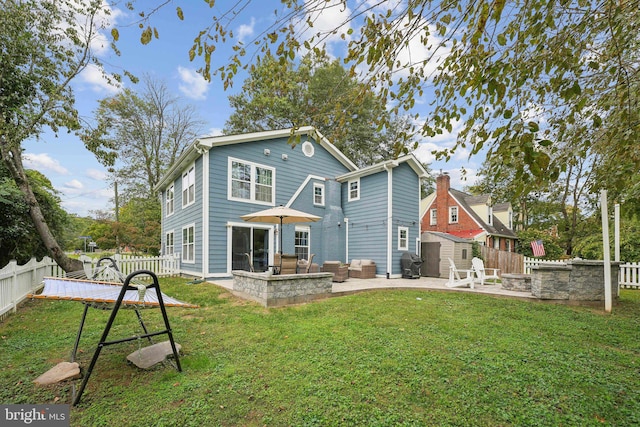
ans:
(430, 259)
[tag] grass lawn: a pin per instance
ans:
(377, 358)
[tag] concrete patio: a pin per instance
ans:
(353, 285)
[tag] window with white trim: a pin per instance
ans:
(169, 243)
(453, 214)
(490, 215)
(189, 186)
(403, 238)
(189, 244)
(354, 189)
(169, 201)
(302, 242)
(251, 182)
(510, 220)
(318, 194)
(434, 217)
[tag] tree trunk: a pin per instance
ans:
(13, 161)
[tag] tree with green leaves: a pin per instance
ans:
(520, 76)
(321, 93)
(44, 45)
(19, 239)
(141, 134)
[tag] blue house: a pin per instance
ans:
(367, 213)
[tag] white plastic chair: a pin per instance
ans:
(482, 273)
(455, 280)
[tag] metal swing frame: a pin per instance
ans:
(104, 339)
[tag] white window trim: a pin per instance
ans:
(166, 241)
(186, 174)
(168, 212)
(433, 218)
(404, 247)
(321, 187)
(305, 229)
(357, 197)
(451, 209)
(182, 244)
(252, 189)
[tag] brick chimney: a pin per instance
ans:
(443, 183)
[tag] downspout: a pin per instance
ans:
(389, 170)
(205, 214)
(346, 243)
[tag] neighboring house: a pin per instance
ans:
(470, 217)
(368, 213)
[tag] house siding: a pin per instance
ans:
(183, 217)
(289, 175)
(368, 220)
(406, 212)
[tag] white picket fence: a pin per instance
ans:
(630, 275)
(629, 272)
(530, 262)
(17, 281)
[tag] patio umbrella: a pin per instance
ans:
(280, 215)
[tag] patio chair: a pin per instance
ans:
(288, 264)
(304, 265)
(250, 262)
(484, 273)
(455, 280)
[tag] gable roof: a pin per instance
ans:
(410, 159)
(205, 143)
(497, 229)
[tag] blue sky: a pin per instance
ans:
(83, 182)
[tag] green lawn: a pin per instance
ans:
(371, 359)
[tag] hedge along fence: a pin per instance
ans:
(17, 281)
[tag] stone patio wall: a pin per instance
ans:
(578, 280)
(278, 290)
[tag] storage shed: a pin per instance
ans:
(437, 247)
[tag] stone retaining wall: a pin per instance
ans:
(278, 290)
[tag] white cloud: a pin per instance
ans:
(214, 132)
(44, 163)
(74, 184)
(96, 174)
(246, 30)
(330, 19)
(193, 85)
(93, 76)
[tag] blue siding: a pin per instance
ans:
(183, 217)
(289, 175)
(368, 220)
(406, 210)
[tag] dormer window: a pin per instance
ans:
(490, 215)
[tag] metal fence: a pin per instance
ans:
(17, 281)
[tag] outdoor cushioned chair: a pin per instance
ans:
(304, 265)
(484, 273)
(455, 280)
(362, 269)
(288, 264)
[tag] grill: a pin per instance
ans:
(410, 264)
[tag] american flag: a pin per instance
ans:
(537, 247)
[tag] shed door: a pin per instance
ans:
(430, 259)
